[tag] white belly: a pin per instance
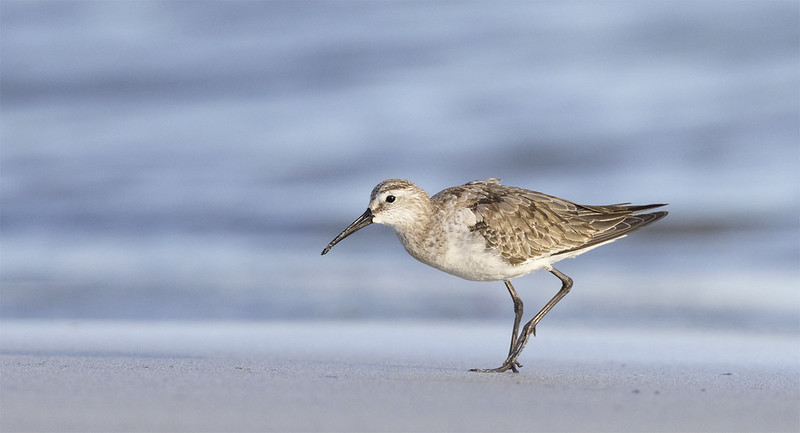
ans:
(467, 256)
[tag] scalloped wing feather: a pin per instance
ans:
(521, 224)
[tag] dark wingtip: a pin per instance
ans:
(641, 208)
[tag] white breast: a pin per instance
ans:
(464, 253)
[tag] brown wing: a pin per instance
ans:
(523, 224)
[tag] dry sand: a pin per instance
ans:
(404, 376)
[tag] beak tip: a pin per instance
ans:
(362, 221)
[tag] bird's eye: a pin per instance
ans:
(390, 199)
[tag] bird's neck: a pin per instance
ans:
(418, 237)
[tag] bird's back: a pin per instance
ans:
(523, 225)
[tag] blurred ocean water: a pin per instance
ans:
(189, 160)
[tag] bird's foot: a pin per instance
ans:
(508, 365)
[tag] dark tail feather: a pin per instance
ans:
(635, 209)
(625, 225)
(629, 224)
(619, 208)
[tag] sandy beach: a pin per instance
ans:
(389, 376)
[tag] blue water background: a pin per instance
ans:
(190, 160)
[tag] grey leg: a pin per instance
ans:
(530, 327)
(518, 309)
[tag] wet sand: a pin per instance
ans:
(390, 376)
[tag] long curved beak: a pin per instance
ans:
(364, 220)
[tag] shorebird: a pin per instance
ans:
(484, 231)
